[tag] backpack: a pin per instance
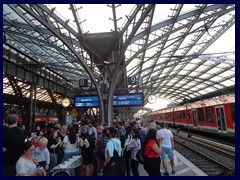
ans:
(140, 156)
(126, 154)
(116, 165)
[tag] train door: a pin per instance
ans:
(194, 116)
(221, 120)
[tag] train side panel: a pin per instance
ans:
(216, 115)
(230, 117)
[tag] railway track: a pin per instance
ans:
(219, 147)
(228, 140)
(208, 160)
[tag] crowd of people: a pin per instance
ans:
(107, 151)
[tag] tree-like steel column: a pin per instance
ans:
(118, 71)
(65, 41)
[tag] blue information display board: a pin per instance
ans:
(86, 98)
(86, 101)
(134, 99)
(119, 100)
(86, 104)
(128, 103)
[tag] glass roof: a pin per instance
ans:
(176, 51)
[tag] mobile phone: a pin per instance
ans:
(39, 167)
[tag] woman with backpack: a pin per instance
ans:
(134, 146)
(113, 165)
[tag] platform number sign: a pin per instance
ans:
(132, 80)
(83, 83)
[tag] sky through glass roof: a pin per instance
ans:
(176, 47)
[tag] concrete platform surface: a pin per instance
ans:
(182, 168)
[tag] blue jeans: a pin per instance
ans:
(167, 151)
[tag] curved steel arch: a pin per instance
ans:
(62, 51)
(117, 71)
(160, 37)
(177, 29)
(41, 30)
(181, 17)
(43, 22)
(221, 31)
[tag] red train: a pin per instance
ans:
(216, 115)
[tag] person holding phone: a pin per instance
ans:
(25, 165)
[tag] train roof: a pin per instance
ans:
(209, 102)
(205, 103)
(166, 110)
(214, 101)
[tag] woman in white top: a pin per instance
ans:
(25, 165)
(134, 146)
(71, 144)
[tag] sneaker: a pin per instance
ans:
(166, 174)
(173, 172)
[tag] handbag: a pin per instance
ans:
(140, 156)
(144, 157)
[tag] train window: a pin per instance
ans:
(183, 114)
(167, 116)
(178, 115)
(209, 114)
(188, 114)
(162, 117)
(201, 114)
(232, 106)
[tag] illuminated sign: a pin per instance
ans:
(134, 99)
(119, 100)
(87, 104)
(86, 98)
(86, 101)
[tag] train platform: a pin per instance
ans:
(182, 168)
